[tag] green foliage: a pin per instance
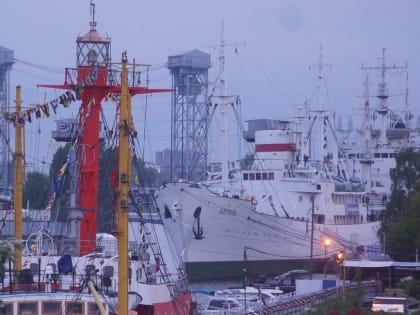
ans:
(36, 190)
(63, 200)
(341, 303)
(145, 176)
(401, 218)
(411, 287)
(6, 252)
(106, 193)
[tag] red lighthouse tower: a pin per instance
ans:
(91, 81)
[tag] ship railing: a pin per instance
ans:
(30, 280)
(113, 77)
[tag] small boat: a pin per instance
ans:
(212, 304)
(236, 300)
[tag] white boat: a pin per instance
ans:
(273, 214)
(369, 149)
(236, 300)
(220, 305)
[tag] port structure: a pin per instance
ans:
(92, 79)
(190, 114)
(6, 63)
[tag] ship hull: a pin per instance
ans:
(215, 236)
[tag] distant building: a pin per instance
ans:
(163, 161)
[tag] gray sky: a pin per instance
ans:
(270, 72)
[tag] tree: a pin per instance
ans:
(36, 190)
(61, 185)
(145, 176)
(403, 237)
(401, 218)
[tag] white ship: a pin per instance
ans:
(274, 214)
(386, 130)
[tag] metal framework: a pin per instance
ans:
(189, 115)
(92, 80)
(6, 62)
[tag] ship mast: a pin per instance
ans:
(223, 100)
(322, 114)
(383, 96)
(224, 110)
(367, 160)
(17, 195)
(321, 105)
(407, 110)
(124, 181)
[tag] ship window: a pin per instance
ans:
(270, 175)
(27, 308)
(6, 309)
(319, 218)
(377, 155)
(351, 156)
(245, 176)
(90, 270)
(392, 155)
(74, 308)
(138, 274)
(251, 176)
(258, 176)
(93, 308)
(384, 155)
(222, 304)
(264, 176)
(51, 308)
(34, 268)
(108, 271)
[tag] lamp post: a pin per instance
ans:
(339, 258)
(327, 242)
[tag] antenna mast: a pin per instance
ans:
(224, 100)
(383, 96)
(92, 13)
(367, 160)
(321, 114)
(407, 111)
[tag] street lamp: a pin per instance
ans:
(327, 242)
(339, 258)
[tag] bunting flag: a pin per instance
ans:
(68, 97)
(112, 97)
(39, 110)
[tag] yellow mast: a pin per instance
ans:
(124, 171)
(17, 195)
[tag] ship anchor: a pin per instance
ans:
(197, 230)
